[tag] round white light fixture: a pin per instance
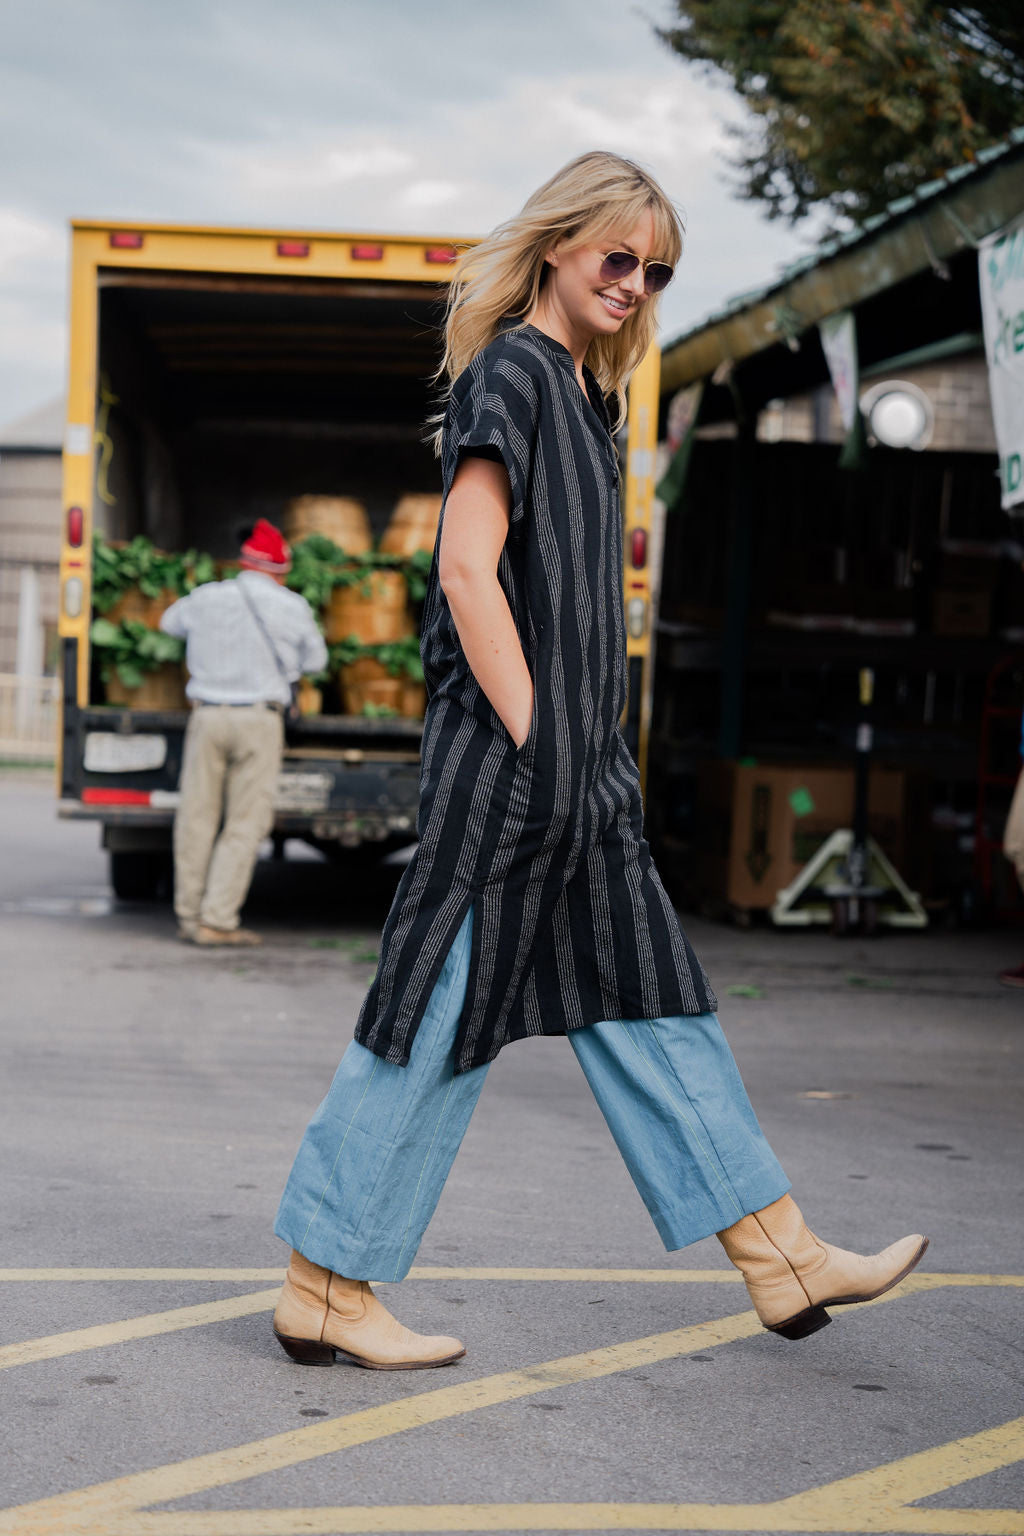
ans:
(898, 414)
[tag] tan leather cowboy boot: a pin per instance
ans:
(792, 1276)
(319, 1313)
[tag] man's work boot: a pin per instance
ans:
(792, 1276)
(319, 1313)
(212, 938)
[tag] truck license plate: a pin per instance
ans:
(303, 792)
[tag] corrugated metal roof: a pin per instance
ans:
(920, 200)
(41, 429)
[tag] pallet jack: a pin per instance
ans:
(849, 883)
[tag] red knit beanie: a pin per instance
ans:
(266, 550)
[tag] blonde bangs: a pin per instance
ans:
(500, 279)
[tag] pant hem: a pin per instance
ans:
(674, 1241)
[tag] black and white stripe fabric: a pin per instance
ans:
(571, 922)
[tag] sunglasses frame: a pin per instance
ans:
(638, 261)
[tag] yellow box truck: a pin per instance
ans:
(215, 375)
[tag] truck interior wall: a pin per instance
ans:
(228, 403)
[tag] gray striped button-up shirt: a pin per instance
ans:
(228, 656)
(571, 922)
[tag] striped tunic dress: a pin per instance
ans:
(571, 924)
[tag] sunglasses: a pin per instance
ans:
(618, 264)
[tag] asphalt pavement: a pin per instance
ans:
(154, 1094)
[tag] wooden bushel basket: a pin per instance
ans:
(338, 518)
(163, 688)
(368, 681)
(375, 610)
(413, 526)
(135, 605)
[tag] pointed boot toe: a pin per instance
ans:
(792, 1276)
(853, 1277)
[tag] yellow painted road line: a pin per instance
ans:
(102, 1335)
(418, 1272)
(877, 1500)
(244, 1276)
(444, 1272)
(873, 1501)
(106, 1509)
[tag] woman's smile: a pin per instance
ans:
(615, 304)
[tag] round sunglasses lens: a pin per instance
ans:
(618, 264)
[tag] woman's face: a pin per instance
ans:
(586, 303)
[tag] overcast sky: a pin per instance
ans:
(434, 116)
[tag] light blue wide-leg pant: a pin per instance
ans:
(374, 1159)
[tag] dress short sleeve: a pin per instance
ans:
(493, 411)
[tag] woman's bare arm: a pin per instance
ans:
(475, 526)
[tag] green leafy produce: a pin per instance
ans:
(139, 564)
(314, 569)
(319, 565)
(400, 657)
(132, 649)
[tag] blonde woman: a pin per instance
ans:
(532, 906)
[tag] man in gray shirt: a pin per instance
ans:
(247, 641)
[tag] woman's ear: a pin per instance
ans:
(551, 257)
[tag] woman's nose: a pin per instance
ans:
(634, 282)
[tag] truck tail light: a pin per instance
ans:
(126, 240)
(103, 796)
(76, 527)
(636, 617)
(293, 247)
(73, 597)
(440, 255)
(367, 253)
(638, 548)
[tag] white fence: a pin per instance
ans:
(28, 718)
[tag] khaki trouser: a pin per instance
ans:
(1013, 837)
(232, 760)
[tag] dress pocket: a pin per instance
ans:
(531, 734)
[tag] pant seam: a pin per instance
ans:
(707, 1142)
(419, 1180)
(337, 1158)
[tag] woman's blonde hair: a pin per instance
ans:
(501, 278)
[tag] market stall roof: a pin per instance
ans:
(922, 233)
(38, 431)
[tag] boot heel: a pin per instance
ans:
(305, 1351)
(803, 1324)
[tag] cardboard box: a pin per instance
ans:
(955, 612)
(759, 824)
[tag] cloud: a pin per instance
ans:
(27, 244)
(299, 171)
(431, 194)
(323, 115)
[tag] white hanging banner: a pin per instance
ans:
(1001, 279)
(839, 344)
